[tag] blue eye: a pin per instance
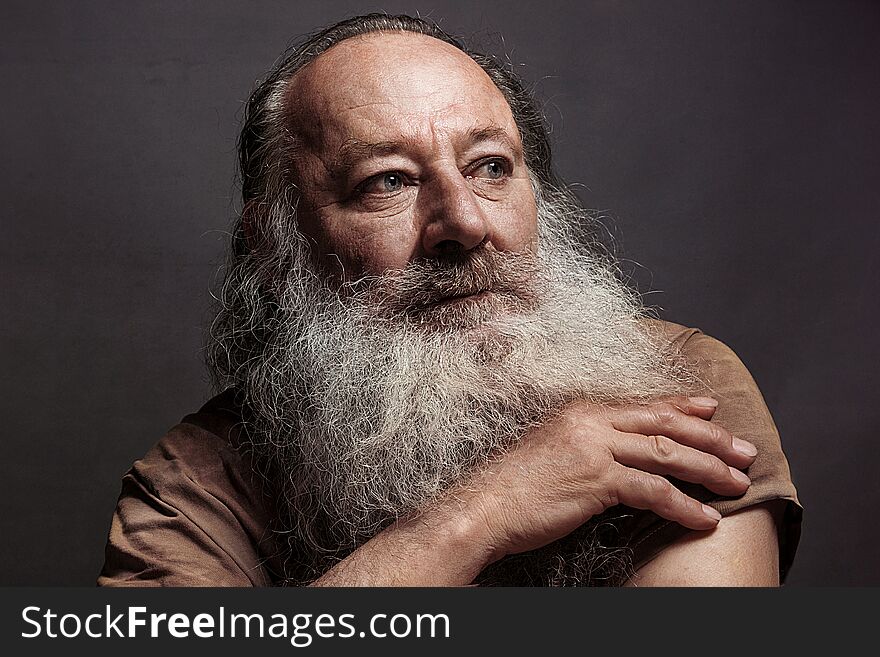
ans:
(495, 169)
(392, 182)
(490, 170)
(389, 182)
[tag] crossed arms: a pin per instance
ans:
(585, 461)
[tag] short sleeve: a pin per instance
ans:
(188, 515)
(742, 411)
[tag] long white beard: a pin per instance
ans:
(365, 411)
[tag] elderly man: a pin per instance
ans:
(432, 374)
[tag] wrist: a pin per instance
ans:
(460, 535)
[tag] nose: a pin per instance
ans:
(454, 221)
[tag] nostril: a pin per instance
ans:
(448, 247)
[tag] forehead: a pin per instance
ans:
(394, 85)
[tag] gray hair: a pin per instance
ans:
(355, 421)
(265, 238)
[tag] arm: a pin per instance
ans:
(743, 550)
(584, 461)
(187, 515)
(755, 542)
(181, 520)
(435, 548)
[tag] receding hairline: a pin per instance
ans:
(289, 96)
(376, 35)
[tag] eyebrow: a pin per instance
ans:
(355, 150)
(492, 133)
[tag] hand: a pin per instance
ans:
(591, 457)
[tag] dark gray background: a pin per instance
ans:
(733, 145)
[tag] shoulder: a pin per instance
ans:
(743, 411)
(719, 371)
(686, 340)
(202, 451)
(192, 511)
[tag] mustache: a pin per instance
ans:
(426, 283)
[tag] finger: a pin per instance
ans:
(663, 456)
(664, 419)
(702, 407)
(642, 490)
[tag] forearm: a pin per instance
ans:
(435, 548)
(556, 478)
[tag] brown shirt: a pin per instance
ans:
(192, 512)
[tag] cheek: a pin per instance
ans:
(369, 246)
(515, 220)
(529, 216)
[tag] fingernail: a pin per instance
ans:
(740, 476)
(708, 402)
(712, 513)
(744, 447)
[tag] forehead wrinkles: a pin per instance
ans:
(368, 81)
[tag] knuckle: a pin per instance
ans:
(679, 402)
(662, 448)
(665, 414)
(689, 506)
(719, 472)
(719, 436)
(581, 411)
(602, 490)
(660, 489)
(595, 463)
(607, 497)
(668, 495)
(577, 428)
(664, 496)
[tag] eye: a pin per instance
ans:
(383, 183)
(493, 169)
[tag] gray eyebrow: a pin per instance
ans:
(355, 150)
(492, 133)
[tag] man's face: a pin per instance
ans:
(370, 403)
(406, 150)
